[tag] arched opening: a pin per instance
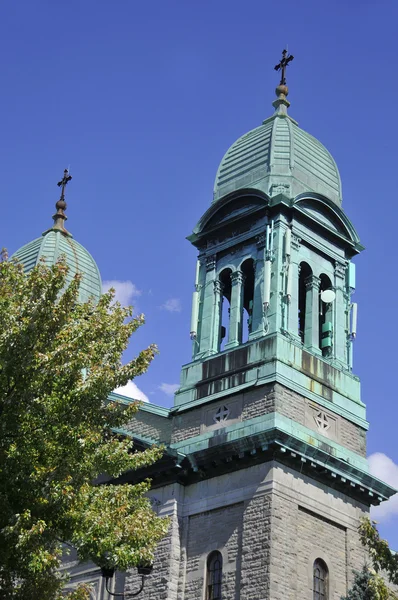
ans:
(247, 269)
(325, 318)
(225, 280)
(214, 576)
(305, 272)
(320, 580)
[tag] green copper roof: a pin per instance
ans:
(279, 157)
(51, 246)
(57, 242)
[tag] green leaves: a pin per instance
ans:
(382, 557)
(368, 585)
(59, 360)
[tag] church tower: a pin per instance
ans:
(264, 475)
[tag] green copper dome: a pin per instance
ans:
(51, 246)
(57, 242)
(279, 157)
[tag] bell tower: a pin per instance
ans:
(269, 413)
(264, 475)
(275, 275)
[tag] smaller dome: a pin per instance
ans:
(57, 242)
(279, 157)
(51, 246)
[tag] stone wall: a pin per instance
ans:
(219, 529)
(295, 407)
(310, 521)
(163, 583)
(263, 400)
(256, 549)
(270, 524)
(151, 426)
(321, 538)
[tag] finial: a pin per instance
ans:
(282, 104)
(60, 217)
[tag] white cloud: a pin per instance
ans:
(172, 305)
(131, 390)
(125, 291)
(382, 467)
(169, 388)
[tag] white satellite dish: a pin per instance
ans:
(328, 296)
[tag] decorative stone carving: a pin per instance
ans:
(322, 421)
(210, 262)
(260, 241)
(218, 286)
(295, 242)
(237, 277)
(312, 282)
(279, 188)
(221, 414)
(340, 269)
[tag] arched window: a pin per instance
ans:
(325, 318)
(247, 269)
(214, 576)
(303, 303)
(225, 279)
(321, 580)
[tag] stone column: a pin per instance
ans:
(340, 310)
(311, 333)
(206, 317)
(236, 311)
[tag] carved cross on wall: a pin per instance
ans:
(221, 415)
(322, 421)
(281, 66)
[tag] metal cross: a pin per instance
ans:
(281, 66)
(63, 183)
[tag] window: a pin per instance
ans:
(325, 318)
(214, 576)
(225, 279)
(247, 269)
(320, 587)
(303, 308)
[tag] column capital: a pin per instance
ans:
(260, 241)
(210, 262)
(218, 286)
(312, 282)
(237, 277)
(340, 269)
(295, 242)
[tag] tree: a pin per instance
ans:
(59, 360)
(368, 585)
(382, 557)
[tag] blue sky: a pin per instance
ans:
(143, 99)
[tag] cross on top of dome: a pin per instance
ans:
(60, 217)
(281, 66)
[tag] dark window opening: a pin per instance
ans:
(321, 576)
(225, 279)
(247, 269)
(214, 576)
(325, 318)
(305, 272)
